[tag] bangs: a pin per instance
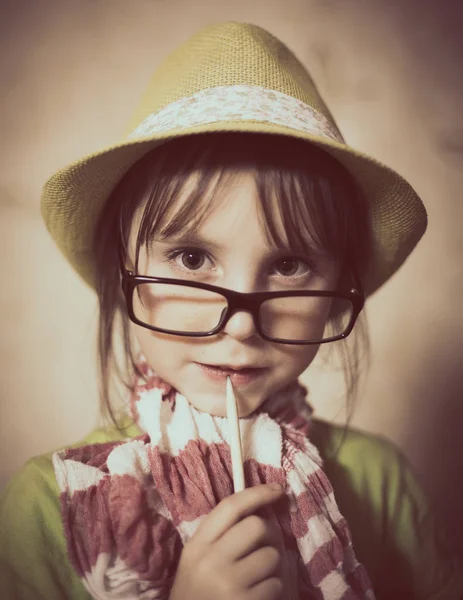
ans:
(170, 210)
(297, 212)
(308, 201)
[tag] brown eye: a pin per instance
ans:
(287, 266)
(192, 260)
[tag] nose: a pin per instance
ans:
(240, 326)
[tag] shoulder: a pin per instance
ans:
(37, 478)
(364, 468)
(342, 443)
(33, 561)
(370, 463)
(394, 526)
(33, 552)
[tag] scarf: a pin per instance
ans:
(129, 507)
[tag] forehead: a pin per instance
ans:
(208, 202)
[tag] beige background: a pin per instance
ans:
(72, 70)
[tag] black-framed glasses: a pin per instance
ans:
(193, 309)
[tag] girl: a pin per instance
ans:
(232, 233)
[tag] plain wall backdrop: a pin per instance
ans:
(71, 72)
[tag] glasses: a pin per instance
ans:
(192, 309)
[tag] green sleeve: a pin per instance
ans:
(33, 557)
(396, 533)
(416, 542)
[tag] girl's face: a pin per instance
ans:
(230, 249)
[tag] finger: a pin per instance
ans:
(247, 536)
(270, 589)
(262, 564)
(233, 509)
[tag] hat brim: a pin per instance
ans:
(74, 196)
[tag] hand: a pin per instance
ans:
(234, 553)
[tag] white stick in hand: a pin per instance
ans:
(235, 439)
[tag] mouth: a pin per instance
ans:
(241, 375)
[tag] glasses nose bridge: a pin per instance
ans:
(243, 302)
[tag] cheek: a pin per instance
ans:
(167, 354)
(295, 359)
(159, 349)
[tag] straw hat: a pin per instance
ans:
(229, 77)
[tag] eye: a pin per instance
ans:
(187, 260)
(192, 259)
(289, 267)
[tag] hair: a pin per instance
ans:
(299, 185)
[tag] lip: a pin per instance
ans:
(242, 375)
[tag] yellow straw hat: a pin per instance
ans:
(230, 77)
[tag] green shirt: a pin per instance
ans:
(396, 536)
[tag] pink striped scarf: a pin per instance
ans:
(129, 507)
